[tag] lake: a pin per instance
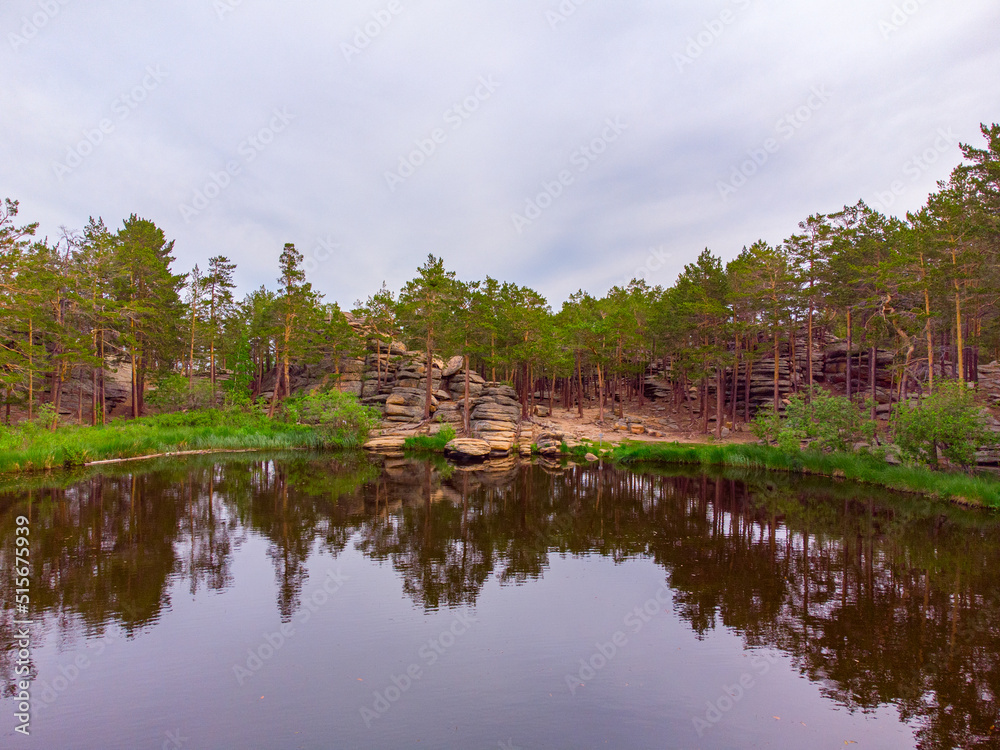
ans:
(324, 601)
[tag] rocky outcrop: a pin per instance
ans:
(468, 449)
(496, 416)
(387, 445)
(549, 442)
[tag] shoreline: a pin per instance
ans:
(131, 441)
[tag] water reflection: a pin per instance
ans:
(880, 601)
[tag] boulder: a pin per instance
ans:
(496, 389)
(389, 445)
(468, 449)
(496, 413)
(454, 365)
(411, 413)
(457, 390)
(549, 443)
(474, 377)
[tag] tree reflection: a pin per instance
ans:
(894, 601)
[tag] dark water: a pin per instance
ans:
(318, 602)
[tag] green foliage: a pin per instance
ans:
(949, 420)
(430, 443)
(339, 419)
(172, 392)
(829, 423)
(237, 387)
(46, 417)
(860, 467)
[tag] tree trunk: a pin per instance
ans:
(194, 312)
(579, 380)
(140, 385)
(103, 404)
(468, 427)
(776, 371)
(960, 360)
(135, 392)
(274, 394)
(31, 369)
(720, 399)
(746, 391)
(872, 372)
(809, 345)
(212, 366)
(430, 367)
(849, 354)
(600, 395)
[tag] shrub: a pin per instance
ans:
(832, 423)
(173, 392)
(339, 418)
(949, 421)
(431, 443)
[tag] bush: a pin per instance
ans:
(949, 421)
(339, 418)
(173, 392)
(831, 423)
(431, 443)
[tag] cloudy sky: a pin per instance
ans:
(559, 145)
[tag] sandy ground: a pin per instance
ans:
(672, 427)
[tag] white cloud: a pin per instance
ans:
(323, 176)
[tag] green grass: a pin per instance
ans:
(430, 443)
(29, 447)
(961, 488)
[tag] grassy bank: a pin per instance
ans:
(960, 488)
(29, 447)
